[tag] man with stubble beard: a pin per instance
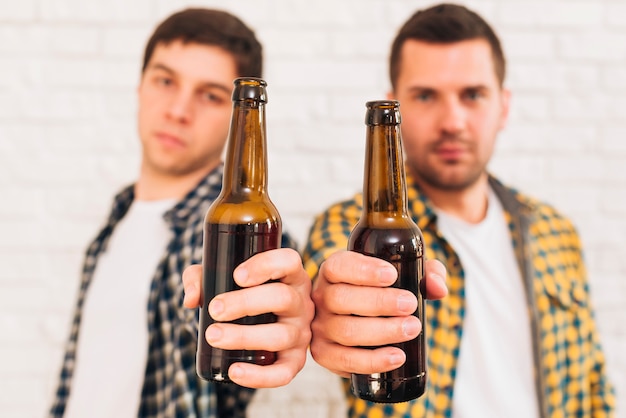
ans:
(515, 336)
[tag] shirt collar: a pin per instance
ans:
(512, 201)
(420, 206)
(424, 212)
(207, 190)
(121, 204)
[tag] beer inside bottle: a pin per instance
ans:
(386, 230)
(241, 222)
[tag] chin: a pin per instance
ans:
(453, 182)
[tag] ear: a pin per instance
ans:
(505, 105)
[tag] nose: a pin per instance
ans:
(180, 106)
(453, 116)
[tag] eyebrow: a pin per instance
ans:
(431, 89)
(206, 84)
(477, 87)
(420, 89)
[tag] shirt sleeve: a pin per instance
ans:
(330, 232)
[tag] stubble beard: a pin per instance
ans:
(436, 179)
(449, 176)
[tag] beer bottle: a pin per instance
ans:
(386, 230)
(241, 222)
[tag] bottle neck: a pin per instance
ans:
(384, 189)
(245, 168)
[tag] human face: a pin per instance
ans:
(184, 109)
(452, 108)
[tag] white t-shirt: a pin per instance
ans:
(495, 372)
(113, 339)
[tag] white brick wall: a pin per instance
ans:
(68, 72)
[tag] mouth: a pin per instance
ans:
(169, 140)
(450, 152)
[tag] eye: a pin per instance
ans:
(473, 95)
(210, 96)
(423, 96)
(164, 81)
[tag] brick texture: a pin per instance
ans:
(68, 73)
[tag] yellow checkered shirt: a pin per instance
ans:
(569, 364)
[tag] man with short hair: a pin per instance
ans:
(132, 346)
(516, 335)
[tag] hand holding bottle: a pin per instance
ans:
(355, 307)
(377, 305)
(287, 296)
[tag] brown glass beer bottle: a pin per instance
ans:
(241, 222)
(386, 230)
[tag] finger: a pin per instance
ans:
(355, 331)
(435, 279)
(192, 284)
(275, 297)
(282, 264)
(348, 299)
(269, 337)
(358, 269)
(345, 360)
(278, 374)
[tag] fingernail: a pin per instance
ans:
(216, 308)
(411, 327)
(236, 372)
(241, 275)
(437, 277)
(213, 333)
(387, 275)
(405, 302)
(396, 359)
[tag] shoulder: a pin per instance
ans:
(348, 208)
(343, 210)
(544, 218)
(542, 211)
(330, 232)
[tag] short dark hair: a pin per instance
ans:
(213, 28)
(445, 23)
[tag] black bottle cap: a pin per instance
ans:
(247, 88)
(382, 112)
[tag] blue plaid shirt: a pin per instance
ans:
(171, 388)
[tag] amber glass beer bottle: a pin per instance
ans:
(241, 222)
(386, 230)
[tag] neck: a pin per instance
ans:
(152, 185)
(469, 204)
